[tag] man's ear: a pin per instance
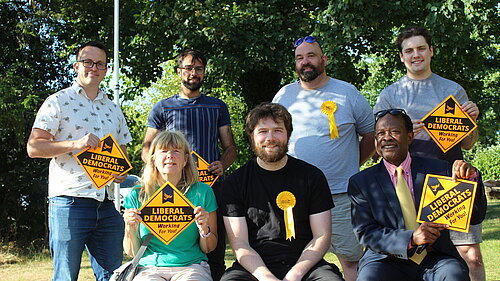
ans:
(411, 135)
(401, 57)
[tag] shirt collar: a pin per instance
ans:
(406, 165)
(80, 91)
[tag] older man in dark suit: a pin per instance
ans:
(392, 243)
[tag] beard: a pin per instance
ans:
(261, 152)
(310, 75)
(194, 85)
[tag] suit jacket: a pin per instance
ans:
(376, 214)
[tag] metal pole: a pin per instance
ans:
(116, 77)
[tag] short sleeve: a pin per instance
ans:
(461, 95)
(321, 197)
(124, 136)
(48, 117)
(382, 101)
(155, 117)
(279, 94)
(210, 203)
(132, 198)
(224, 117)
(363, 114)
(231, 204)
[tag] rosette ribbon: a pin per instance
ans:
(329, 108)
(286, 201)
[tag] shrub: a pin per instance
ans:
(487, 160)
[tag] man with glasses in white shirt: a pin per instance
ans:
(80, 215)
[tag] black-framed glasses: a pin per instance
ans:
(308, 39)
(197, 69)
(392, 111)
(91, 63)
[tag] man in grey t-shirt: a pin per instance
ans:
(418, 92)
(329, 115)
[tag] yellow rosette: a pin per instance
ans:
(329, 108)
(286, 201)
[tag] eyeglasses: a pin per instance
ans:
(308, 39)
(392, 111)
(90, 64)
(197, 69)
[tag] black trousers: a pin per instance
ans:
(216, 257)
(322, 271)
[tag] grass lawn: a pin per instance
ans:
(39, 266)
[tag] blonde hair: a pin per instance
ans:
(151, 177)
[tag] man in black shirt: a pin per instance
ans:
(276, 208)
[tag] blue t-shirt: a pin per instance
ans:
(199, 119)
(185, 249)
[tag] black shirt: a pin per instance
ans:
(251, 192)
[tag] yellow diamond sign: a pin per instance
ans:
(448, 124)
(204, 175)
(167, 213)
(101, 162)
(447, 202)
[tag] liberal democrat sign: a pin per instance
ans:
(447, 202)
(202, 165)
(167, 213)
(448, 124)
(101, 162)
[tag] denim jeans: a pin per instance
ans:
(77, 223)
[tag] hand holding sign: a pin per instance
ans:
(448, 124)
(418, 126)
(103, 162)
(88, 141)
(201, 218)
(167, 213)
(132, 218)
(471, 109)
(207, 173)
(447, 202)
(462, 170)
(427, 233)
(216, 168)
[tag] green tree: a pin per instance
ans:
(28, 73)
(249, 44)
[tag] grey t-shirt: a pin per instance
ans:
(310, 141)
(418, 98)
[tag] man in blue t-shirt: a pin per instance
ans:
(204, 121)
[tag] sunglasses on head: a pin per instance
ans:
(308, 39)
(392, 111)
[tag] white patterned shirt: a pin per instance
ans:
(69, 115)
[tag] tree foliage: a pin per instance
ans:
(249, 44)
(29, 71)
